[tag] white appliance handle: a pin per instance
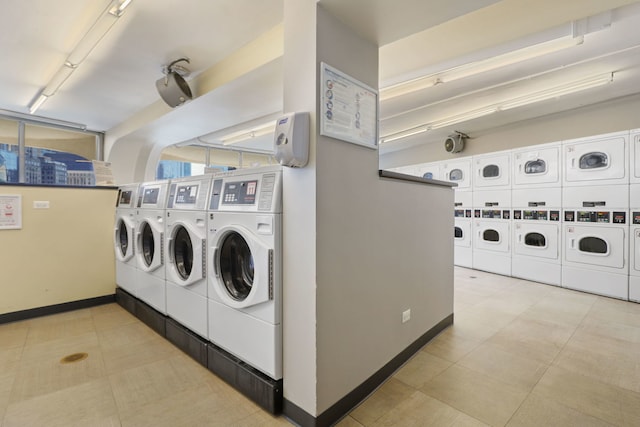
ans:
(170, 241)
(573, 243)
(215, 261)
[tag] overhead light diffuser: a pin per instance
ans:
(478, 67)
(247, 134)
(531, 98)
(80, 52)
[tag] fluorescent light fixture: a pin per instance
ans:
(84, 47)
(37, 103)
(246, 134)
(531, 98)
(478, 67)
(404, 134)
(555, 92)
(470, 115)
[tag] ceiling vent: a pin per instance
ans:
(455, 142)
(173, 88)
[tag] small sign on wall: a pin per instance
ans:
(10, 211)
(349, 108)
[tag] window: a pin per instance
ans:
(594, 245)
(491, 171)
(41, 153)
(176, 162)
(491, 236)
(535, 167)
(535, 239)
(457, 232)
(594, 160)
(456, 175)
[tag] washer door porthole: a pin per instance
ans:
(236, 266)
(148, 244)
(183, 253)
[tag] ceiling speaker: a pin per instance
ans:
(455, 142)
(173, 89)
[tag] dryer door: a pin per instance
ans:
(537, 239)
(462, 232)
(123, 238)
(150, 241)
(595, 245)
(492, 171)
(492, 236)
(602, 160)
(186, 255)
(635, 251)
(243, 268)
(537, 167)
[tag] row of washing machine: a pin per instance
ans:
(564, 213)
(207, 252)
(585, 238)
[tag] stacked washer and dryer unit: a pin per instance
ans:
(595, 203)
(536, 198)
(460, 172)
(492, 212)
(634, 220)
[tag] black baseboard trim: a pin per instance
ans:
(342, 407)
(56, 308)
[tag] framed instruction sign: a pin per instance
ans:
(348, 109)
(10, 211)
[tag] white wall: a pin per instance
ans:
(612, 116)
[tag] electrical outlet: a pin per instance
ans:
(406, 316)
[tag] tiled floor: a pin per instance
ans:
(519, 354)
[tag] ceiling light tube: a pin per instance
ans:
(37, 103)
(462, 117)
(244, 135)
(58, 79)
(91, 39)
(555, 92)
(477, 67)
(403, 134)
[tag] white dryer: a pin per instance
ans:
(458, 171)
(537, 235)
(150, 231)
(245, 267)
(185, 249)
(634, 166)
(492, 231)
(463, 229)
(596, 240)
(596, 160)
(123, 239)
(634, 245)
(429, 170)
(492, 171)
(537, 166)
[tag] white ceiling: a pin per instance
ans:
(417, 37)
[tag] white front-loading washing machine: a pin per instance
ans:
(596, 240)
(634, 244)
(185, 249)
(150, 231)
(492, 171)
(124, 246)
(245, 267)
(596, 160)
(458, 171)
(537, 166)
(634, 166)
(492, 231)
(537, 249)
(463, 229)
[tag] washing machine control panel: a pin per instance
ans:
(598, 217)
(635, 217)
(536, 215)
(240, 192)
